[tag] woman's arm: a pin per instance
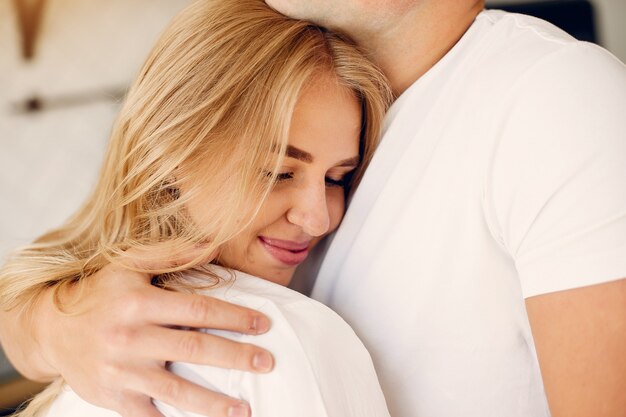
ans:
(113, 346)
(580, 336)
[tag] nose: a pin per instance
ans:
(309, 209)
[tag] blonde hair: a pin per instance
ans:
(215, 96)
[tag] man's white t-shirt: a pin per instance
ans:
(501, 176)
(322, 369)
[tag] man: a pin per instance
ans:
(482, 260)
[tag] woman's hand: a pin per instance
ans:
(112, 347)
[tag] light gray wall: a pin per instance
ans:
(610, 20)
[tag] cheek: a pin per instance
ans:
(272, 210)
(336, 203)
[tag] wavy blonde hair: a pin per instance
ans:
(215, 96)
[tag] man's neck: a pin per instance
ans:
(421, 38)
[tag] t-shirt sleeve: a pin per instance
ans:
(558, 183)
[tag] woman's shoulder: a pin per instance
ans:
(321, 366)
(244, 289)
(289, 311)
(296, 319)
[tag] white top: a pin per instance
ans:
(321, 370)
(501, 175)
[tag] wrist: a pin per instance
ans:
(36, 328)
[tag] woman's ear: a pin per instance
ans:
(171, 185)
(174, 192)
(218, 254)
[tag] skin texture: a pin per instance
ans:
(580, 334)
(120, 335)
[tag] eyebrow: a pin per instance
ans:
(304, 156)
(299, 154)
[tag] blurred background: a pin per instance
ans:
(64, 68)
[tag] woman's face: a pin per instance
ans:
(308, 200)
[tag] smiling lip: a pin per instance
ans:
(286, 251)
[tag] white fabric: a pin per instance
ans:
(501, 175)
(322, 369)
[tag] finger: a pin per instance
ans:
(194, 310)
(179, 393)
(137, 405)
(201, 348)
(163, 257)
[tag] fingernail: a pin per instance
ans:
(262, 361)
(239, 410)
(260, 324)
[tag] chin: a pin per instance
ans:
(276, 276)
(297, 9)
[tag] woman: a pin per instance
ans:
(242, 135)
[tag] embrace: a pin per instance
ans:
(446, 183)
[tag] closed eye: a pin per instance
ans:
(340, 182)
(330, 182)
(280, 177)
(284, 176)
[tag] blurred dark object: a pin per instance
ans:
(15, 391)
(7, 411)
(576, 17)
(35, 104)
(30, 15)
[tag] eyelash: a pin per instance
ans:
(286, 176)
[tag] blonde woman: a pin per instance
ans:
(238, 142)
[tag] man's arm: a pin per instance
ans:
(113, 346)
(18, 343)
(580, 336)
